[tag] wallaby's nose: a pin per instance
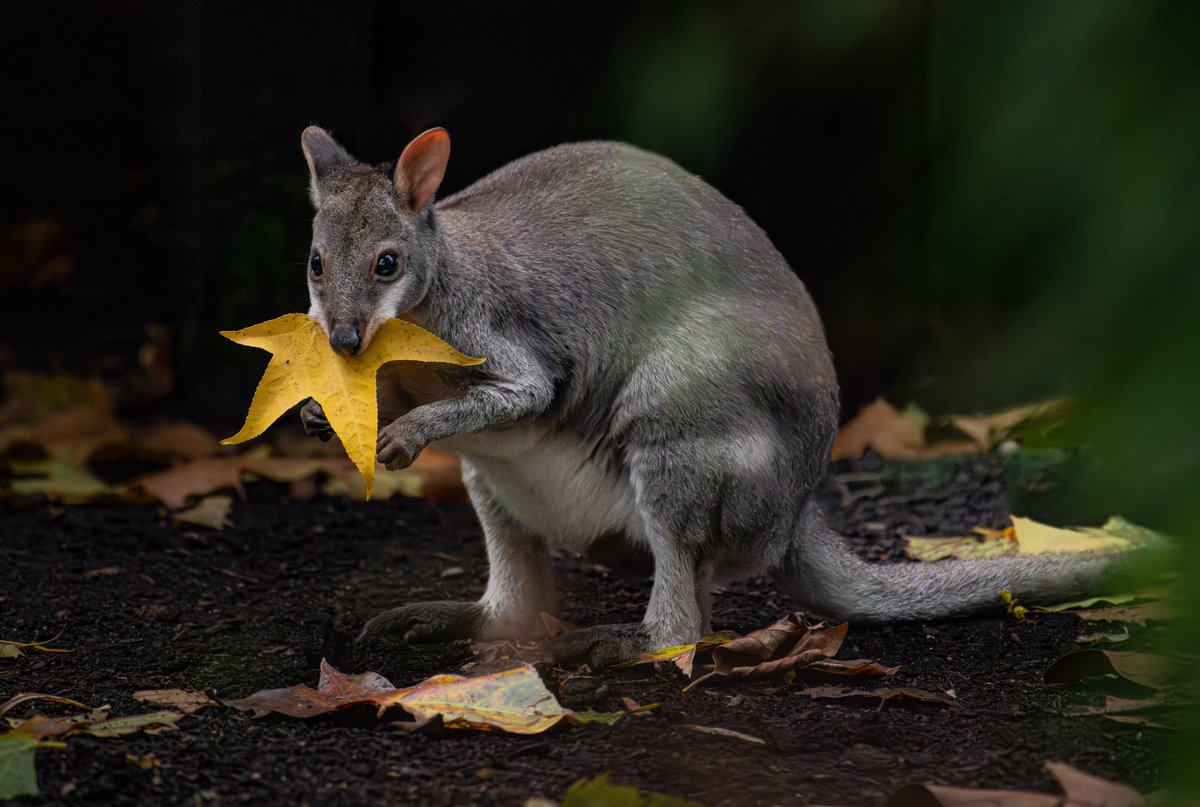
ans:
(344, 339)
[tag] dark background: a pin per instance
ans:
(990, 202)
(163, 140)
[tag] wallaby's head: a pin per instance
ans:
(374, 247)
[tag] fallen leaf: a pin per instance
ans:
(930, 549)
(601, 792)
(1147, 669)
(74, 435)
(18, 776)
(1103, 637)
(26, 697)
(211, 512)
(513, 700)
(946, 796)
(100, 724)
(1140, 614)
(1079, 790)
(303, 365)
(880, 696)
(789, 646)
(590, 715)
(891, 434)
(1075, 605)
(434, 476)
(683, 655)
(1035, 538)
(722, 732)
(13, 649)
(185, 701)
(1165, 709)
(292, 469)
(57, 479)
(1084, 789)
(988, 431)
(186, 440)
(174, 486)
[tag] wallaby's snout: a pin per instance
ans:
(345, 338)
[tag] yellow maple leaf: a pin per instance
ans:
(303, 365)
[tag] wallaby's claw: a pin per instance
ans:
(315, 422)
(396, 446)
(599, 646)
(441, 621)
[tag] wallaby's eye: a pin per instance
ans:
(387, 266)
(314, 264)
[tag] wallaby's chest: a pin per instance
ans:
(553, 485)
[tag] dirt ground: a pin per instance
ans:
(148, 604)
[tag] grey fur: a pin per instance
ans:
(653, 367)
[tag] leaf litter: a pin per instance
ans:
(1078, 789)
(514, 700)
(18, 746)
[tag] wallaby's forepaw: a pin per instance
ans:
(442, 621)
(315, 422)
(599, 646)
(397, 445)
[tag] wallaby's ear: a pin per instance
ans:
(323, 154)
(421, 167)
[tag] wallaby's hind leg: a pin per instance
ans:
(520, 585)
(674, 526)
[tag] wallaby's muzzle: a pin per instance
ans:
(345, 339)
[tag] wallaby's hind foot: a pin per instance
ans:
(442, 621)
(599, 646)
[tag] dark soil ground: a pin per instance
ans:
(260, 604)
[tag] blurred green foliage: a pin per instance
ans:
(1064, 238)
(1061, 208)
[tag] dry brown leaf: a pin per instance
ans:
(183, 700)
(1147, 669)
(945, 796)
(434, 476)
(881, 427)
(186, 440)
(1083, 789)
(1079, 790)
(721, 732)
(879, 696)
(211, 512)
(26, 697)
(987, 431)
(1165, 709)
(1139, 614)
(174, 486)
(789, 646)
(76, 434)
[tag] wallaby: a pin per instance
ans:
(654, 367)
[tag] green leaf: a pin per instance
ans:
(1109, 599)
(592, 716)
(601, 792)
(18, 777)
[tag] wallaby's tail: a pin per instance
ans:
(821, 572)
